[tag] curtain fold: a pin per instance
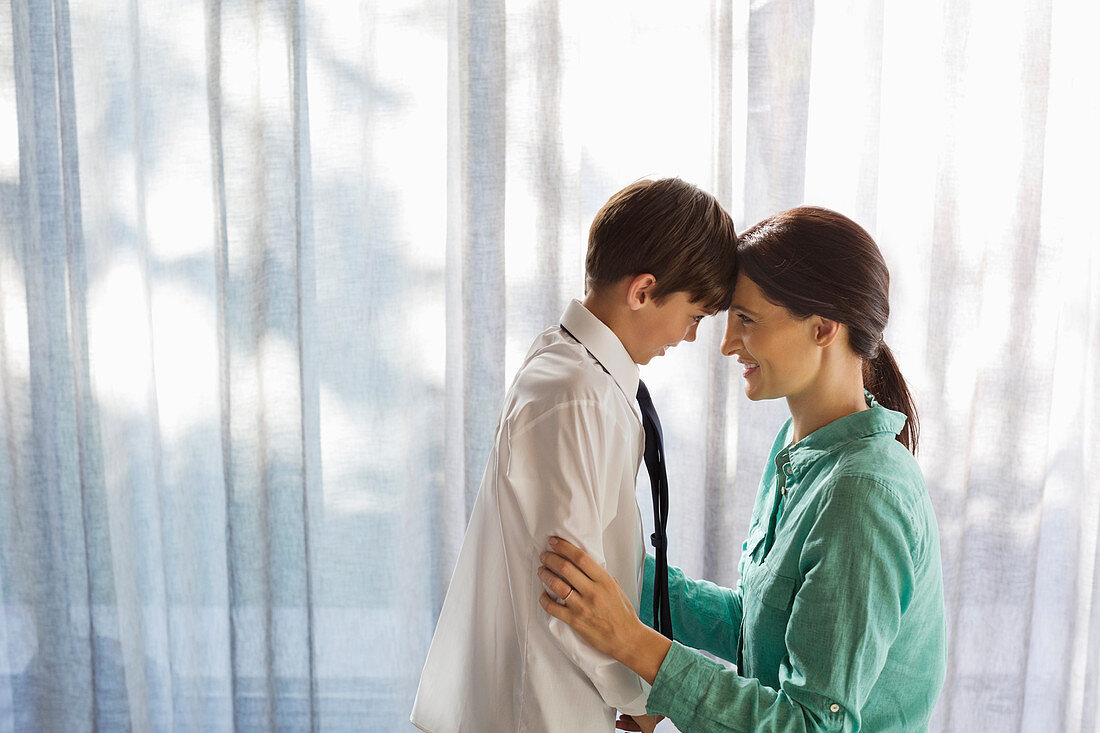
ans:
(267, 268)
(57, 453)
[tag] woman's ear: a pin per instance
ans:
(640, 290)
(825, 330)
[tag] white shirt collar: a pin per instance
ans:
(603, 344)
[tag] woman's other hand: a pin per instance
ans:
(643, 723)
(596, 607)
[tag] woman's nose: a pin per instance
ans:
(730, 342)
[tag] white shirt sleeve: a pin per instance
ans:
(564, 473)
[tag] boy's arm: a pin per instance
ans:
(564, 476)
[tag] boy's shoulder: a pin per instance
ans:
(558, 370)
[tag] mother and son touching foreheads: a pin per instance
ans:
(556, 617)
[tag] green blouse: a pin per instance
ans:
(837, 622)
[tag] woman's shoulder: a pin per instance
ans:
(879, 480)
(880, 459)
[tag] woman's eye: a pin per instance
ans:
(744, 318)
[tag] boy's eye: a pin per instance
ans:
(697, 318)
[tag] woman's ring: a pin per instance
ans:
(566, 598)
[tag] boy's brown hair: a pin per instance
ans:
(672, 230)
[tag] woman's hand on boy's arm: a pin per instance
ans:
(596, 607)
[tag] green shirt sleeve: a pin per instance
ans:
(699, 694)
(857, 568)
(704, 615)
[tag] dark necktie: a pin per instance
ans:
(658, 480)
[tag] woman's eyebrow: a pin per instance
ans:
(743, 309)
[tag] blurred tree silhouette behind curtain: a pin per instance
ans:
(267, 267)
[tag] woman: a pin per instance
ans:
(837, 622)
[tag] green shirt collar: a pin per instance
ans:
(829, 438)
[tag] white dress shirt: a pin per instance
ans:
(566, 455)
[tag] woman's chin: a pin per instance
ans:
(756, 393)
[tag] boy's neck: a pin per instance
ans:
(608, 306)
(601, 307)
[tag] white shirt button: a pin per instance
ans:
(834, 708)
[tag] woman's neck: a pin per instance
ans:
(837, 392)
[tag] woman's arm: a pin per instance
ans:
(696, 693)
(857, 580)
(845, 617)
(704, 615)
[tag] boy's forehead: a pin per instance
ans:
(700, 304)
(695, 302)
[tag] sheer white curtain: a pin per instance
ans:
(267, 266)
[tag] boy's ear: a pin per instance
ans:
(639, 290)
(825, 330)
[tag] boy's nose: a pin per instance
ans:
(693, 329)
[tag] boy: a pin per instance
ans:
(567, 450)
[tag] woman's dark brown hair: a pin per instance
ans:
(814, 261)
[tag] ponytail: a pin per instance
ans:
(882, 378)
